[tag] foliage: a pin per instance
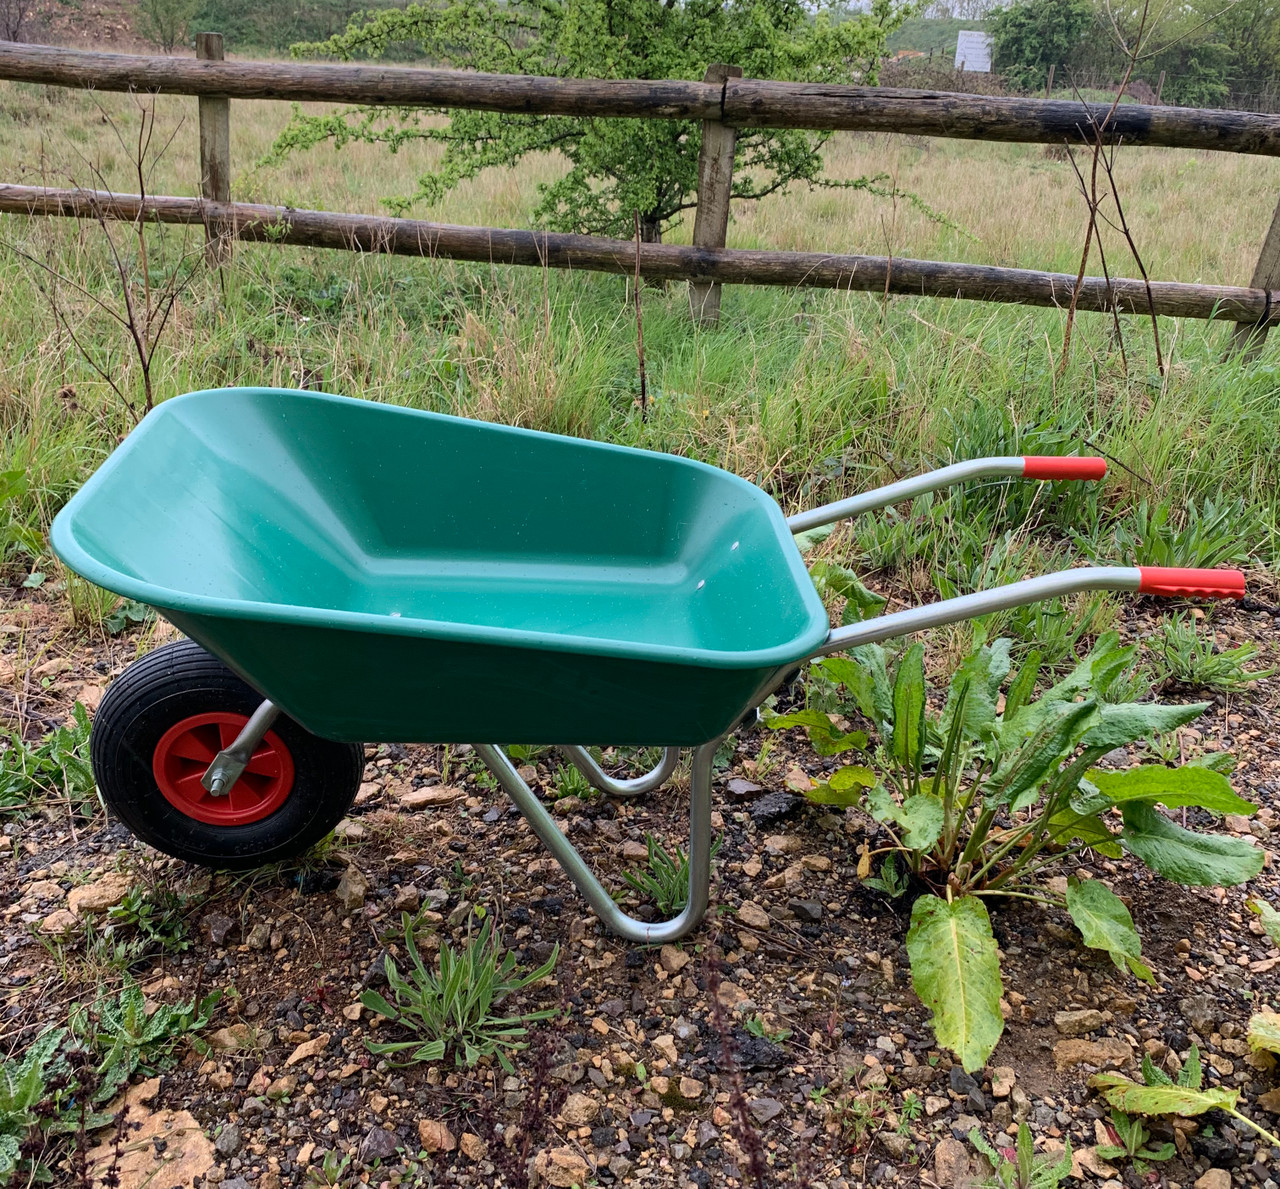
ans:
(166, 21)
(569, 782)
(156, 915)
(1025, 1170)
(24, 1085)
(1182, 655)
(617, 167)
(1210, 533)
(452, 1009)
(127, 1038)
(666, 878)
(1133, 1141)
(1264, 1031)
(57, 766)
(274, 25)
(130, 613)
(1030, 36)
(1160, 1095)
(980, 802)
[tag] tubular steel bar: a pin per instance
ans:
(1068, 467)
(229, 764)
(575, 867)
(636, 786)
(279, 225)
(750, 103)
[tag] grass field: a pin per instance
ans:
(811, 394)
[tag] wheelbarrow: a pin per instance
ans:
(348, 572)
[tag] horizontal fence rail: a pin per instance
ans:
(491, 245)
(750, 103)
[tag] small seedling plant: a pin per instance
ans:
(665, 878)
(1184, 656)
(57, 766)
(453, 1009)
(981, 800)
(1019, 1167)
(1132, 1141)
(127, 1038)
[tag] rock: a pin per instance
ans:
(560, 1168)
(752, 915)
(1069, 1053)
(217, 926)
(806, 910)
(1002, 1079)
(282, 1087)
(1215, 1178)
(367, 791)
(673, 960)
(408, 898)
(742, 788)
(59, 922)
(44, 889)
(232, 1038)
(951, 1164)
(308, 1049)
(348, 831)
(691, 1089)
(1002, 1117)
(100, 895)
(764, 1110)
(961, 1082)
(435, 1136)
(815, 863)
(934, 1105)
(436, 797)
(633, 852)
(579, 1110)
(1088, 1160)
(473, 1147)
(1200, 1011)
(167, 1142)
(774, 807)
(899, 1147)
(352, 889)
(782, 844)
(378, 1144)
(259, 936)
(1080, 1023)
(749, 1052)
(1270, 1101)
(228, 1142)
(620, 1166)
(666, 1046)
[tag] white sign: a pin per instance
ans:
(973, 51)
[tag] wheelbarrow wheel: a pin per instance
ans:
(157, 729)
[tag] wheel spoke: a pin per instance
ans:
(192, 746)
(227, 732)
(265, 762)
(190, 787)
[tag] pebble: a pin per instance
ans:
(378, 1144)
(951, 1164)
(100, 895)
(752, 915)
(408, 899)
(1070, 1053)
(472, 1146)
(309, 1049)
(579, 1110)
(228, 1142)
(673, 960)
(352, 889)
(806, 910)
(1080, 1023)
(764, 1110)
(1002, 1079)
(438, 796)
(561, 1168)
(1215, 1178)
(218, 926)
(435, 1136)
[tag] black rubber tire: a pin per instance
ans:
(182, 679)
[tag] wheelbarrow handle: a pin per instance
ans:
(1142, 580)
(1027, 467)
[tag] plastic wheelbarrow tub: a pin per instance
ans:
(385, 573)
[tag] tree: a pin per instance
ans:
(165, 21)
(13, 15)
(617, 167)
(1033, 35)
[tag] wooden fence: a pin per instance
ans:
(724, 102)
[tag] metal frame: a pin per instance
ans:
(230, 762)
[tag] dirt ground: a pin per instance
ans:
(781, 1044)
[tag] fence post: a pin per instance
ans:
(1048, 86)
(215, 152)
(715, 179)
(1246, 336)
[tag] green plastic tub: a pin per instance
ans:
(384, 574)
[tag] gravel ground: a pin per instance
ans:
(781, 1044)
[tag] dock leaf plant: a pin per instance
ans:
(981, 799)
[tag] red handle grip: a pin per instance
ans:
(1063, 467)
(1209, 584)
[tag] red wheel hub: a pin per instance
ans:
(187, 749)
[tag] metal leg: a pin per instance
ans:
(581, 759)
(575, 867)
(230, 762)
